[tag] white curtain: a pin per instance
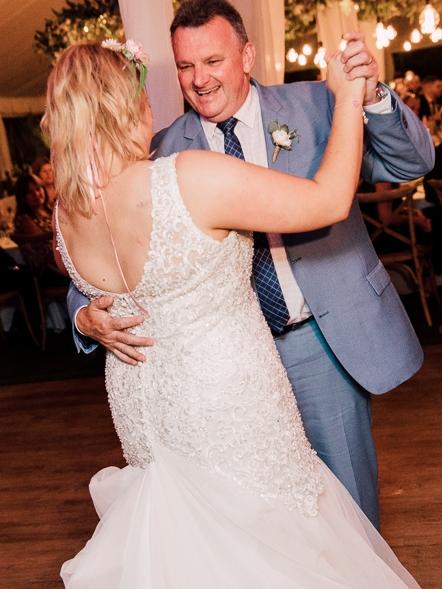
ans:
(265, 24)
(148, 21)
(339, 18)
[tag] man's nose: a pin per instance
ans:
(200, 76)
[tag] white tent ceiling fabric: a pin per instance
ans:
(23, 72)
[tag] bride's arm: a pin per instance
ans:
(226, 193)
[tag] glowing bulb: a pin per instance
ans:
(307, 50)
(292, 55)
(415, 36)
(356, 7)
(342, 45)
(409, 74)
(407, 46)
(436, 35)
(86, 29)
(381, 35)
(319, 58)
(302, 60)
(391, 32)
(428, 19)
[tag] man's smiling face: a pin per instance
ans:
(213, 68)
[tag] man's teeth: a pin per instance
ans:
(206, 92)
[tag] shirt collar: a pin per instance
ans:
(246, 114)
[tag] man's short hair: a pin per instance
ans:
(196, 13)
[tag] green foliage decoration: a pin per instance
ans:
(87, 20)
(301, 16)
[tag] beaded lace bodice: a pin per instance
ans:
(212, 388)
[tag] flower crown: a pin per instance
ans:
(134, 54)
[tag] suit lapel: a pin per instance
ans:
(273, 110)
(194, 132)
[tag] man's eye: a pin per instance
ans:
(214, 61)
(183, 67)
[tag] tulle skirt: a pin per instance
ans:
(175, 526)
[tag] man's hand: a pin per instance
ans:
(360, 63)
(95, 322)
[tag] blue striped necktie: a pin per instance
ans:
(266, 280)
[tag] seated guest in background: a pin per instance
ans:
(33, 223)
(33, 217)
(43, 169)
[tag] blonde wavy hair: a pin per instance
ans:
(92, 103)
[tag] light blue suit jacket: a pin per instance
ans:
(346, 286)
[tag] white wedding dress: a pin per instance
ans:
(222, 489)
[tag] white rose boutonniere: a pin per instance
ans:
(282, 138)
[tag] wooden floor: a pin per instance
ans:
(54, 436)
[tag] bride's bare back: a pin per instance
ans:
(128, 206)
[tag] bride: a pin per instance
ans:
(222, 489)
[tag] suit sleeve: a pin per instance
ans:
(75, 301)
(397, 146)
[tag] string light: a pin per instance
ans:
(391, 32)
(436, 35)
(416, 36)
(342, 45)
(319, 59)
(307, 50)
(428, 19)
(302, 60)
(381, 35)
(407, 46)
(292, 55)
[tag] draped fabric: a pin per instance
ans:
(265, 24)
(148, 21)
(341, 17)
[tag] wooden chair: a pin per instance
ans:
(412, 259)
(44, 293)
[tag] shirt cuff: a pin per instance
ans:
(380, 108)
(75, 321)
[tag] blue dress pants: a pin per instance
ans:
(336, 413)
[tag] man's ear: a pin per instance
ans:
(248, 57)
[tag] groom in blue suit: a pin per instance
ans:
(338, 323)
